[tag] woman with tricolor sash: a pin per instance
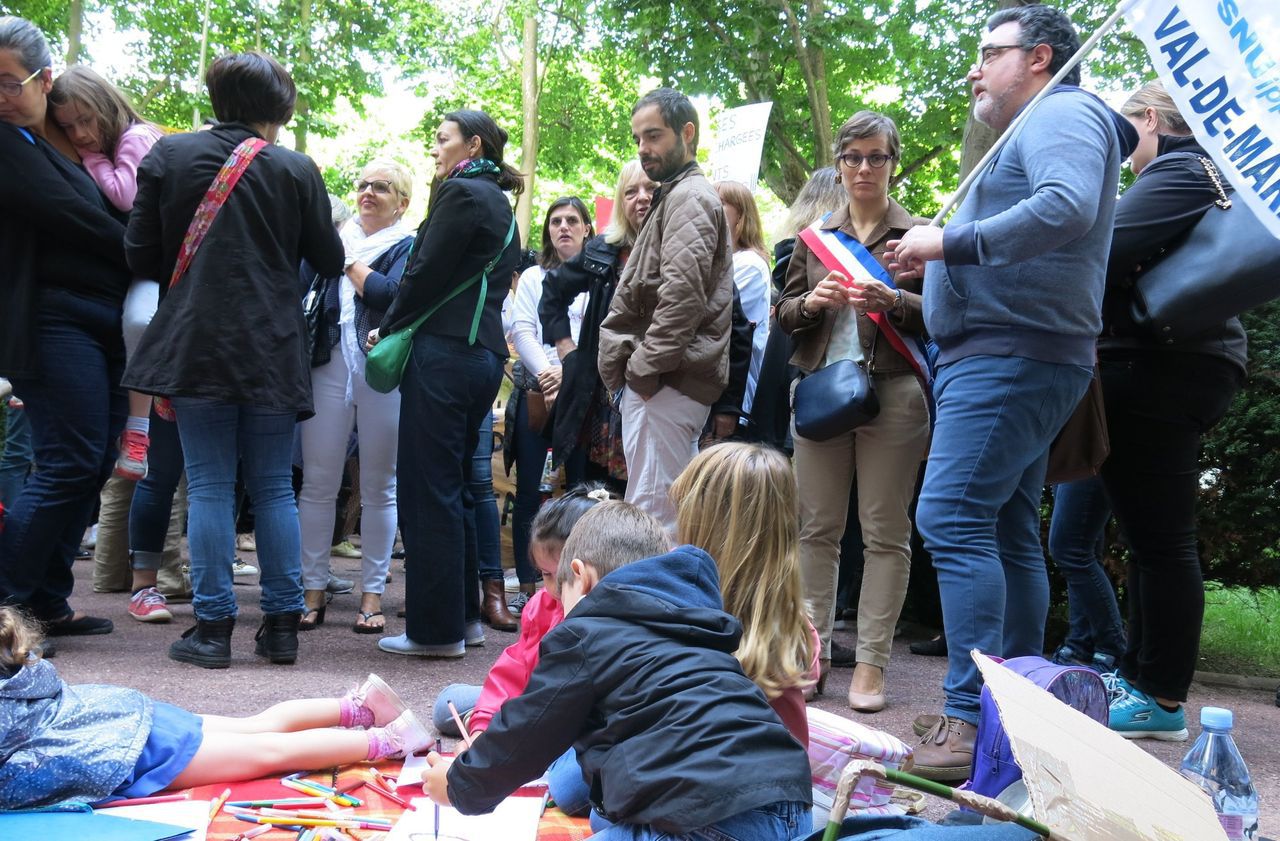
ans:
(840, 302)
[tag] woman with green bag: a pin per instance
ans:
(450, 309)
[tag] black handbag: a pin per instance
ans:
(1228, 263)
(834, 400)
(317, 320)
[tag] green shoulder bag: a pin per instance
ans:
(384, 369)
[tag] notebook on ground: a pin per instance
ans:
(79, 826)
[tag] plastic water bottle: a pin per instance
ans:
(1214, 763)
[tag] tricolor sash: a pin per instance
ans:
(839, 252)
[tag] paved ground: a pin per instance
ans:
(333, 658)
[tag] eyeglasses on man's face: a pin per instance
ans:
(853, 160)
(380, 187)
(14, 89)
(991, 52)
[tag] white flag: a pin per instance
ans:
(1220, 61)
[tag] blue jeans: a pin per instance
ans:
(153, 497)
(776, 822)
(531, 458)
(15, 459)
(76, 410)
(908, 828)
(216, 437)
(1076, 542)
(979, 509)
(484, 514)
(447, 389)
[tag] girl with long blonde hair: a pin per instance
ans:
(737, 501)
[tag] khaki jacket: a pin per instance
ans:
(668, 324)
(812, 335)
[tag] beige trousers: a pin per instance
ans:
(884, 455)
(111, 570)
(659, 439)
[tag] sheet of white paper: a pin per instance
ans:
(189, 813)
(411, 773)
(515, 819)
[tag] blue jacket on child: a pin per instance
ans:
(641, 680)
(61, 743)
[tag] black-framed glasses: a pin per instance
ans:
(853, 160)
(14, 89)
(379, 186)
(991, 52)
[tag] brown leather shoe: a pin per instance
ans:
(493, 610)
(946, 751)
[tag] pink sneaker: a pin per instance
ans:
(149, 605)
(132, 463)
(379, 699)
(405, 735)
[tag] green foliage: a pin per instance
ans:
(1239, 530)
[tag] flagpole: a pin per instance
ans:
(1075, 59)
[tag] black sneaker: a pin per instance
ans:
(843, 655)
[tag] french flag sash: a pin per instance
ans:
(839, 252)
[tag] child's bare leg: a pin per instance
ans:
(285, 717)
(236, 756)
(139, 405)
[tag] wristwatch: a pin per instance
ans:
(898, 302)
(805, 314)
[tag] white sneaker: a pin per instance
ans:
(379, 699)
(240, 568)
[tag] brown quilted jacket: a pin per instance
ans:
(669, 321)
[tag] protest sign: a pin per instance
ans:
(740, 143)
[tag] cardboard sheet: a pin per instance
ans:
(1088, 783)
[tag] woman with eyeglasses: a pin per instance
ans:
(65, 279)
(828, 316)
(377, 245)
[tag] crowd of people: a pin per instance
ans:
(206, 309)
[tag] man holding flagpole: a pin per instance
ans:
(1012, 297)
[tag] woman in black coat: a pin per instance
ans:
(64, 283)
(228, 343)
(451, 379)
(1161, 397)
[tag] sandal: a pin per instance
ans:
(364, 626)
(311, 617)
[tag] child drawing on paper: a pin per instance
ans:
(510, 674)
(737, 502)
(641, 680)
(88, 743)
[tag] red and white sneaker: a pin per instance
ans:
(149, 605)
(132, 463)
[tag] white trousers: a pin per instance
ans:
(659, 439)
(324, 452)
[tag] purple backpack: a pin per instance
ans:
(994, 768)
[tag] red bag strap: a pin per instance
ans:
(214, 198)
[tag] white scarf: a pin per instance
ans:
(365, 248)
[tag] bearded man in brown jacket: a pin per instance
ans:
(665, 342)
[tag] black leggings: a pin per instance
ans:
(1159, 405)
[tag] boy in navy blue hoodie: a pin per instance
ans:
(641, 679)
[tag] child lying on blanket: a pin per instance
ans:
(89, 743)
(640, 678)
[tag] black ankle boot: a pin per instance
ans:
(207, 645)
(278, 638)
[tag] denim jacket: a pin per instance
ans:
(61, 743)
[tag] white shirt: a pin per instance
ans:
(526, 326)
(751, 276)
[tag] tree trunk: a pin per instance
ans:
(204, 53)
(978, 138)
(529, 93)
(302, 110)
(75, 30)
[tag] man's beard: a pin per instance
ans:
(669, 164)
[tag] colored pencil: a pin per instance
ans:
(249, 834)
(352, 823)
(284, 803)
(453, 710)
(217, 804)
(394, 798)
(462, 728)
(143, 801)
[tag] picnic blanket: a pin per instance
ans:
(555, 825)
